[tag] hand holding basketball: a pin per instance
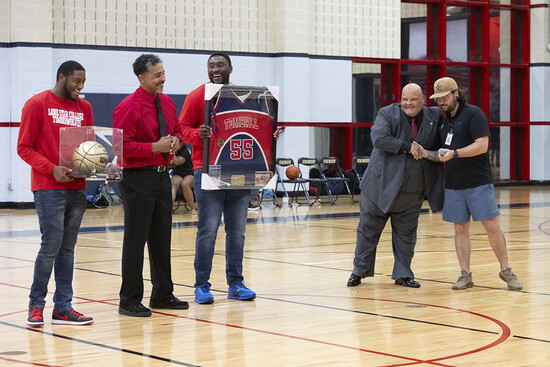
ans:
(292, 172)
(62, 174)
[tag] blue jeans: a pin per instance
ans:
(211, 204)
(254, 194)
(59, 215)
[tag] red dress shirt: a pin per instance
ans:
(136, 115)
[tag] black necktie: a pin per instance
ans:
(414, 127)
(162, 123)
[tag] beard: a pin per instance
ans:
(449, 107)
(69, 93)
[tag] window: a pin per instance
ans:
(479, 44)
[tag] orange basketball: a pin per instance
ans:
(292, 172)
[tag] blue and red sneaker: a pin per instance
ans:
(203, 295)
(240, 292)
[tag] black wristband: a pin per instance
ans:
(455, 155)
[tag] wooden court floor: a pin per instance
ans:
(298, 261)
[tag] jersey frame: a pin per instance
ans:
(241, 152)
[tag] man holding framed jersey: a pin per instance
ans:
(212, 203)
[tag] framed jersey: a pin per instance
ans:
(240, 154)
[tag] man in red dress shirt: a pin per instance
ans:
(146, 188)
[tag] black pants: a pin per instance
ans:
(147, 199)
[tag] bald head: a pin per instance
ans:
(412, 99)
(412, 88)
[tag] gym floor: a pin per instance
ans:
(297, 260)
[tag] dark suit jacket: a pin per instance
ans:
(385, 173)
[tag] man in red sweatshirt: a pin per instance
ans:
(59, 199)
(212, 203)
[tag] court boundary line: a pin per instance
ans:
(411, 361)
(263, 220)
(95, 344)
(294, 219)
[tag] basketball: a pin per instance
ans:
(292, 172)
(89, 158)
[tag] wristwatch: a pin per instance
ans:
(455, 155)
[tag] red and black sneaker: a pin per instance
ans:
(70, 317)
(35, 317)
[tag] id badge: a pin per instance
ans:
(449, 139)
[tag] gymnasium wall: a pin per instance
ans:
(316, 27)
(540, 92)
(304, 47)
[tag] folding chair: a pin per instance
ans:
(332, 165)
(318, 182)
(180, 200)
(299, 183)
(359, 166)
(274, 199)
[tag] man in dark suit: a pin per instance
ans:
(395, 183)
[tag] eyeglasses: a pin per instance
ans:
(443, 99)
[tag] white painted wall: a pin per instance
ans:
(540, 135)
(540, 92)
